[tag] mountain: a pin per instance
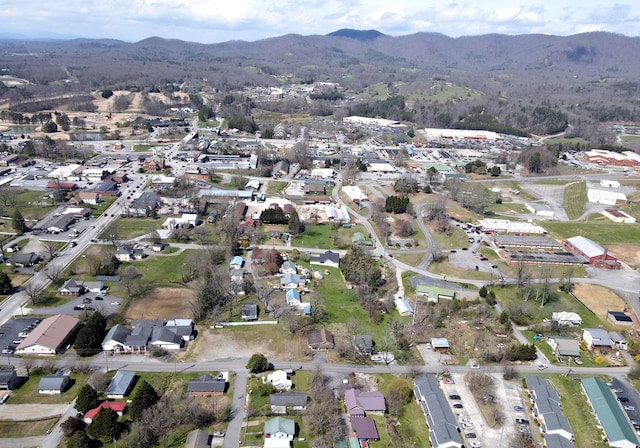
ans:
(363, 35)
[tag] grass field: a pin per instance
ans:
(12, 429)
(28, 392)
(566, 141)
(575, 197)
(601, 232)
(128, 228)
(324, 236)
(276, 187)
(630, 138)
(456, 240)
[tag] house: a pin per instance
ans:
(61, 224)
(293, 297)
(364, 428)
(619, 318)
(86, 197)
(289, 267)
(315, 188)
(162, 337)
(596, 338)
(281, 168)
(435, 293)
(320, 340)
(236, 275)
(53, 385)
(288, 402)
(291, 281)
(236, 262)
(186, 221)
(206, 385)
(157, 247)
(280, 380)
(440, 345)
(249, 311)
(129, 253)
(359, 403)
(403, 306)
(618, 341)
(443, 426)
(562, 346)
(610, 417)
(145, 204)
(117, 406)
(567, 318)
(23, 260)
(8, 379)
(330, 259)
(116, 338)
(71, 288)
(198, 439)
(364, 344)
(252, 185)
(50, 337)
(280, 428)
(185, 328)
(121, 384)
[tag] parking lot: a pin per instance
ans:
(107, 305)
(623, 389)
(10, 330)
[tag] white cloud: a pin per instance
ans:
(208, 21)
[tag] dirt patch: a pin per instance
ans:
(599, 299)
(222, 344)
(630, 254)
(162, 303)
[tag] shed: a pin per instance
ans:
(403, 306)
(619, 318)
(249, 311)
(53, 385)
(440, 345)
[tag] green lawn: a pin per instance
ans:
(128, 228)
(578, 412)
(455, 240)
(28, 392)
(575, 197)
(276, 187)
(325, 236)
(600, 232)
(630, 138)
(160, 271)
(12, 429)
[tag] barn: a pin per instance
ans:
(591, 251)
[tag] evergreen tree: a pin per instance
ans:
(105, 425)
(19, 224)
(144, 398)
(5, 283)
(90, 336)
(257, 363)
(79, 439)
(87, 399)
(295, 226)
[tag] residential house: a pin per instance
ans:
(86, 197)
(320, 340)
(567, 318)
(249, 311)
(8, 379)
(72, 288)
(364, 428)
(329, 258)
(364, 344)
(185, 221)
(129, 253)
(198, 438)
(185, 328)
(289, 267)
(281, 168)
(117, 406)
(358, 239)
(291, 281)
(206, 385)
(443, 426)
(288, 402)
(618, 341)
(145, 204)
(157, 247)
(23, 260)
(236, 262)
(252, 185)
(403, 306)
(116, 338)
(440, 345)
(163, 338)
(359, 403)
(562, 346)
(280, 380)
(315, 189)
(121, 384)
(547, 407)
(293, 297)
(280, 428)
(54, 384)
(50, 337)
(236, 275)
(596, 338)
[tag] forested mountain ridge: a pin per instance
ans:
(591, 76)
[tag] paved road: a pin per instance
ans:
(234, 429)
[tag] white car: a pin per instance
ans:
(629, 408)
(475, 444)
(542, 366)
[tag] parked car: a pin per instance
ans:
(522, 421)
(518, 408)
(475, 444)
(542, 366)
(623, 399)
(616, 390)
(4, 399)
(218, 434)
(455, 397)
(8, 350)
(458, 405)
(628, 407)
(470, 435)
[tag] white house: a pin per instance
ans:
(566, 318)
(115, 338)
(403, 306)
(330, 259)
(186, 221)
(596, 338)
(280, 380)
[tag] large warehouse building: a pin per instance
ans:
(592, 252)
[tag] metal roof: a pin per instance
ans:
(586, 246)
(120, 383)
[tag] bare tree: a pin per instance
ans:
(131, 281)
(34, 292)
(50, 247)
(53, 272)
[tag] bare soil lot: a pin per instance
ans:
(598, 299)
(628, 253)
(165, 303)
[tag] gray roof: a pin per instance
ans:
(121, 383)
(197, 439)
(364, 343)
(280, 424)
(117, 333)
(206, 383)
(556, 441)
(55, 382)
(334, 257)
(288, 399)
(165, 334)
(442, 423)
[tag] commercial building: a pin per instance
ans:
(591, 251)
(443, 426)
(51, 336)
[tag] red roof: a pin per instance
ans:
(117, 406)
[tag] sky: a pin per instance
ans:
(211, 21)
